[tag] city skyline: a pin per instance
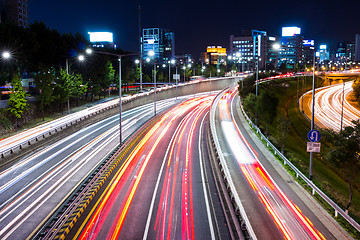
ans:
(197, 25)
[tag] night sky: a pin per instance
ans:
(198, 23)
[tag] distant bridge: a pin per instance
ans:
(332, 77)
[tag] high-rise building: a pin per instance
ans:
(214, 55)
(292, 48)
(249, 47)
(357, 47)
(323, 54)
(161, 41)
(14, 11)
(309, 52)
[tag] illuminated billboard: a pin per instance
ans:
(323, 47)
(101, 37)
(308, 42)
(290, 31)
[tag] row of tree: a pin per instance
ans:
(344, 151)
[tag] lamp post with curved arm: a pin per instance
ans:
(90, 51)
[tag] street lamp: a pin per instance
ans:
(276, 46)
(119, 56)
(81, 58)
(6, 55)
(151, 54)
(170, 62)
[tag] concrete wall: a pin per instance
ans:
(71, 127)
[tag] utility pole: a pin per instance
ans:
(312, 119)
(140, 46)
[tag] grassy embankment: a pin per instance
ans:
(324, 174)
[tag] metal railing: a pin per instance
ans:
(246, 223)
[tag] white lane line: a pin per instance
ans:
(146, 231)
(203, 181)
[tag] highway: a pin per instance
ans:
(274, 210)
(161, 190)
(32, 188)
(328, 106)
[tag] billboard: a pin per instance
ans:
(323, 47)
(101, 37)
(290, 31)
(308, 42)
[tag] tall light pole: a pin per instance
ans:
(276, 46)
(312, 118)
(342, 106)
(81, 58)
(170, 62)
(119, 56)
(152, 54)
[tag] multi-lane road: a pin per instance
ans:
(273, 208)
(329, 106)
(163, 187)
(161, 190)
(34, 186)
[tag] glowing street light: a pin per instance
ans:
(6, 55)
(88, 51)
(151, 53)
(81, 58)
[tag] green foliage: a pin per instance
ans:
(37, 46)
(188, 72)
(283, 126)
(44, 82)
(109, 75)
(266, 106)
(17, 102)
(344, 154)
(250, 104)
(356, 88)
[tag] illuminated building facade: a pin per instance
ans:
(215, 55)
(309, 51)
(357, 47)
(252, 46)
(323, 54)
(14, 11)
(292, 48)
(161, 41)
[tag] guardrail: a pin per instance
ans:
(298, 173)
(5, 152)
(245, 224)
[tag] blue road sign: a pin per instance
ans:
(314, 136)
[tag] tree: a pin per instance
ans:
(356, 88)
(17, 102)
(345, 154)
(188, 73)
(76, 87)
(108, 76)
(44, 80)
(266, 106)
(250, 104)
(283, 126)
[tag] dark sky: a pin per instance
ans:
(198, 23)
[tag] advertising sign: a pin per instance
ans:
(290, 31)
(101, 37)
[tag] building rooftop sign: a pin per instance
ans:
(290, 31)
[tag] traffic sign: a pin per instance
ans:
(314, 136)
(313, 147)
